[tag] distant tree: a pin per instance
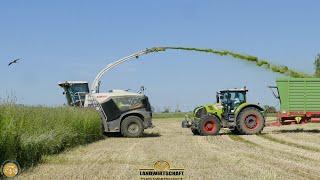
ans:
(177, 109)
(317, 66)
(166, 109)
(269, 109)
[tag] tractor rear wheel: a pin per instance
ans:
(250, 121)
(132, 126)
(209, 125)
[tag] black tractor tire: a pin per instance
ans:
(132, 126)
(250, 121)
(209, 125)
(235, 131)
(195, 131)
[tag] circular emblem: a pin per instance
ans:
(161, 166)
(10, 168)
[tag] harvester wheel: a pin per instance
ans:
(209, 125)
(195, 131)
(250, 121)
(132, 126)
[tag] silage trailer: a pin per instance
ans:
(299, 100)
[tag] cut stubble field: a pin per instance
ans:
(285, 152)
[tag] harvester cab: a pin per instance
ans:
(75, 92)
(230, 111)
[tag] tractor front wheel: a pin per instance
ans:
(250, 121)
(209, 125)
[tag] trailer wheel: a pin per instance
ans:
(250, 121)
(209, 125)
(195, 131)
(132, 126)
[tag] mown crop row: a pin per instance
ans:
(27, 133)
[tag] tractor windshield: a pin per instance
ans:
(233, 98)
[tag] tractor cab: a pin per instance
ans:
(75, 92)
(231, 99)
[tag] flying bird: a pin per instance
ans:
(13, 62)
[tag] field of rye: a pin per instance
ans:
(27, 133)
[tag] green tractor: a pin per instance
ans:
(231, 111)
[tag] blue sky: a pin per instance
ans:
(73, 40)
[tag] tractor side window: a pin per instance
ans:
(224, 98)
(238, 98)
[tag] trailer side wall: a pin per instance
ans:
(299, 94)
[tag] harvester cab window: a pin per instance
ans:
(80, 88)
(78, 92)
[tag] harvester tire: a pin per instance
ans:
(132, 126)
(250, 121)
(195, 131)
(209, 125)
